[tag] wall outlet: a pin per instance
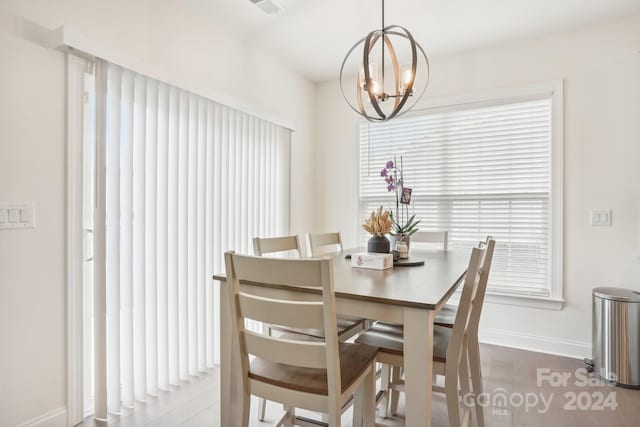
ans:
(601, 217)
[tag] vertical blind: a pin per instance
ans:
(475, 172)
(186, 180)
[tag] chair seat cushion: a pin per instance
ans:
(344, 324)
(354, 360)
(446, 316)
(389, 338)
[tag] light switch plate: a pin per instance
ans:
(600, 217)
(17, 215)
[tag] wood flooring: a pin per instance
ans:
(507, 372)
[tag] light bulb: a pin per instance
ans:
(406, 77)
(375, 87)
(374, 84)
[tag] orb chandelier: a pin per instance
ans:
(374, 98)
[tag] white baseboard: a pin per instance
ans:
(539, 344)
(55, 418)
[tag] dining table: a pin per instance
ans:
(407, 295)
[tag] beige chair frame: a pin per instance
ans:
(324, 243)
(269, 245)
(321, 314)
(462, 351)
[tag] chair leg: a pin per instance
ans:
(473, 348)
(262, 408)
(244, 406)
(394, 395)
(369, 404)
(364, 405)
(464, 387)
(334, 415)
(290, 416)
(384, 386)
(358, 405)
(451, 393)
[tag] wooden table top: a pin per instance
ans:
(427, 286)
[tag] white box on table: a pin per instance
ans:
(372, 261)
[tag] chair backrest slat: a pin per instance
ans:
(324, 243)
(278, 271)
(297, 314)
(288, 352)
(441, 237)
(269, 245)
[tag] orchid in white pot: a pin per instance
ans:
(403, 225)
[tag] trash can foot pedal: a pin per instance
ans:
(589, 364)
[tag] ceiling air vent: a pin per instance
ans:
(267, 6)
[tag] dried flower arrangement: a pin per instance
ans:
(379, 223)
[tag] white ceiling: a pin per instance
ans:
(313, 36)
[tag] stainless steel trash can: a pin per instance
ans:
(616, 335)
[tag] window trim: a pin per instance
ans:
(553, 90)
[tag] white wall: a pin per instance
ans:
(171, 38)
(32, 263)
(600, 66)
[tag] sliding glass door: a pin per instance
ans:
(171, 180)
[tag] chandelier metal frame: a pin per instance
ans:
(401, 93)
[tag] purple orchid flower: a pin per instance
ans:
(383, 172)
(390, 164)
(390, 187)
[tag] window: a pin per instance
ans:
(478, 169)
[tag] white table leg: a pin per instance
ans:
(418, 365)
(225, 358)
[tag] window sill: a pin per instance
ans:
(546, 303)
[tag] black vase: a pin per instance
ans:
(379, 245)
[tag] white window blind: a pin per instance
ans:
(186, 180)
(475, 172)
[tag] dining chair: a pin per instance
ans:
(347, 326)
(317, 375)
(324, 243)
(451, 346)
(446, 318)
(419, 237)
(440, 237)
